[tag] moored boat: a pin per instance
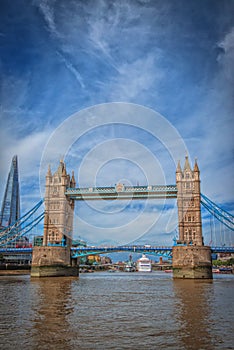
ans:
(144, 264)
(130, 266)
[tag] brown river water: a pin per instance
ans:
(103, 310)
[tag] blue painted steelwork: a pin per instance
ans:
(222, 215)
(60, 244)
(84, 251)
(122, 192)
(16, 250)
(23, 219)
(16, 234)
(222, 249)
(20, 227)
(161, 251)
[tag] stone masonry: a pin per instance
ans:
(53, 258)
(191, 259)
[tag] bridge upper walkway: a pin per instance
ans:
(122, 192)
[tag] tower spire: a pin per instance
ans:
(196, 168)
(186, 164)
(49, 171)
(178, 169)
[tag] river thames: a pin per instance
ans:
(103, 310)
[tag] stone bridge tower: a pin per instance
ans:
(188, 202)
(58, 223)
(191, 259)
(54, 257)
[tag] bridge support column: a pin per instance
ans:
(52, 262)
(54, 257)
(191, 262)
(191, 259)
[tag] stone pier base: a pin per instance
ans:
(192, 262)
(52, 262)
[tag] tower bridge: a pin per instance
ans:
(191, 259)
(56, 257)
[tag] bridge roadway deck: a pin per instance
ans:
(103, 250)
(122, 192)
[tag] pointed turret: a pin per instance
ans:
(60, 169)
(196, 174)
(186, 164)
(178, 169)
(196, 169)
(179, 174)
(64, 173)
(73, 181)
(49, 174)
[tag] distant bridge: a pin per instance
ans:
(85, 251)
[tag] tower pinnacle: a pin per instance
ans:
(186, 164)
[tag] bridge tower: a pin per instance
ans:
(58, 223)
(53, 258)
(191, 259)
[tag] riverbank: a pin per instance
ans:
(14, 272)
(14, 269)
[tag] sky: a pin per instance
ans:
(121, 90)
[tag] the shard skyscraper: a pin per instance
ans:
(10, 211)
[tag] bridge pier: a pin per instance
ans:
(53, 262)
(192, 262)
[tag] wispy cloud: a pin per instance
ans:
(47, 8)
(226, 57)
(70, 66)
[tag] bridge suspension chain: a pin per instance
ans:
(222, 215)
(16, 233)
(21, 227)
(21, 221)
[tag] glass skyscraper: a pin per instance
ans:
(10, 211)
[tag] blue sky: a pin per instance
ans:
(62, 58)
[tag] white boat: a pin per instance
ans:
(144, 264)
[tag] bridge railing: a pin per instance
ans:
(136, 249)
(114, 190)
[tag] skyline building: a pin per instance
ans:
(10, 211)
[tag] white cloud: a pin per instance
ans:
(70, 66)
(125, 226)
(135, 78)
(47, 9)
(29, 150)
(226, 58)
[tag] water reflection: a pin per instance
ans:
(116, 311)
(52, 305)
(193, 313)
